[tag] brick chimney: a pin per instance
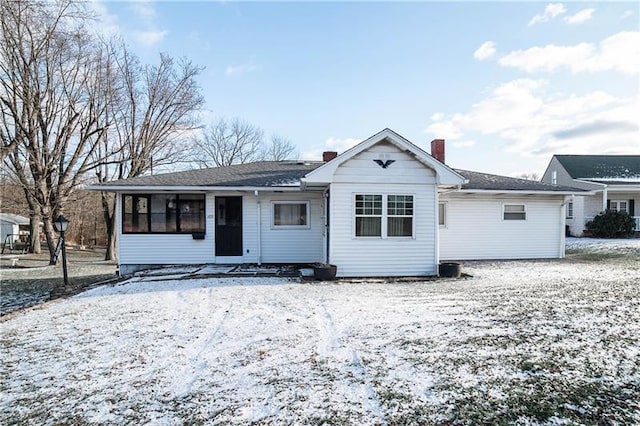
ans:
(329, 155)
(437, 149)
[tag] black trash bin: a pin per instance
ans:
(449, 270)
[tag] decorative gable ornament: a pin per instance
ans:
(384, 164)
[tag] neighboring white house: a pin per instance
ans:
(383, 208)
(13, 228)
(614, 182)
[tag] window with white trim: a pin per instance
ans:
(384, 216)
(569, 210)
(442, 214)
(290, 214)
(514, 212)
(619, 206)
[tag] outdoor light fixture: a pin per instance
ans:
(61, 224)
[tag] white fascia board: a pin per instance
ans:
(595, 184)
(521, 192)
(148, 188)
(445, 175)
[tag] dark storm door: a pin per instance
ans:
(228, 226)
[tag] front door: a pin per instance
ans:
(228, 226)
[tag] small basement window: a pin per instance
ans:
(290, 214)
(514, 212)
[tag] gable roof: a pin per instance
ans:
(444, 174)
(621, 169)
(258, 174)
(488, 182)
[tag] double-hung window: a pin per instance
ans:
(378, 215)
(368, 215)
(163, 213)
(570, 210)
(514, 212)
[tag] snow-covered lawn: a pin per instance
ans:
(539, 342)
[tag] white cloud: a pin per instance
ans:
(149, 38)
(464, 144)
(331, 144)
(583, 16)
(619, 52)
(531, 120)
(551, 11)
(485, 51)
(239, 69)
(145, 11)
(106, 23)
(437, 116)
(627, 14)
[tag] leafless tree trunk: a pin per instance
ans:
(50, 77)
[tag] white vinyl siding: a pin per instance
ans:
(277, 245)
(476, 230)
(292, 244)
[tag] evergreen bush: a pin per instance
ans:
(611, 224)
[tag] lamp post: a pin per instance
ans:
(61, 224)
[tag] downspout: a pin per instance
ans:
(325, 195)
(259, 226)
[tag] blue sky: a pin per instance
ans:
(507, 84)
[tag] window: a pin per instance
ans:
(383, 215)
(514, 212)
(163, 213)
(442, 212)
(618, 206)
(399, 215)
(569, 210)
(290, 214)
(368, 215)
(554, 177)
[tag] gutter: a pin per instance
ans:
(187, 188)
(524, 192)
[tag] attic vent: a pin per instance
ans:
(384, 156)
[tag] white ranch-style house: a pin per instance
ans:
(613, 182)
(383, 208)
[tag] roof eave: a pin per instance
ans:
(524, 192)
(189, 188)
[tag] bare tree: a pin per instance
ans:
(279, 149)
(530, 176)
(152, 110)
(50, 120)
(225, 142)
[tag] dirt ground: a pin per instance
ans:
(28, 279)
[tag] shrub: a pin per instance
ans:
(611, 224)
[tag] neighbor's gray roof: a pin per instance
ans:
(621, 169)
(484, 181)
(258, 174)
(288, 173)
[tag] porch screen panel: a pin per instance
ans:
(191, 213)
(368, 215)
